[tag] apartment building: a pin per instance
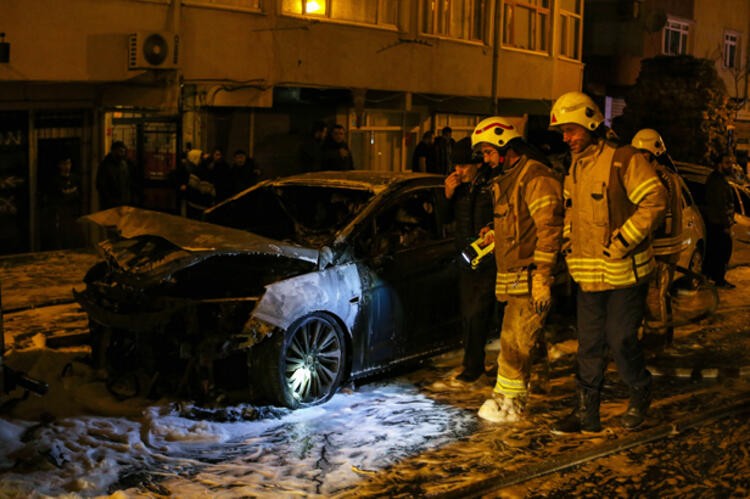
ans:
(618, 34)
(256, 74)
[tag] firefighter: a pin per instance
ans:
(613, 201)
(667, 236)
(528, 218)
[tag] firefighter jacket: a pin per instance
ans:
(528, 218)
(613, 202)
(668, 240)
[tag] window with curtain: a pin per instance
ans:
(461, 19)
(382, 12)
(526, 24)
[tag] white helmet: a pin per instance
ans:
(649, 139)
(496, 131)
(578, 108)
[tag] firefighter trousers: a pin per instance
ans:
(522, 329)
(611, 319)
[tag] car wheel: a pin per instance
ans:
(303, 367)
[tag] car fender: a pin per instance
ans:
(336, 290)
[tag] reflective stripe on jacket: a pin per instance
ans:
(612, 205)
(528, 218)
(668, 241)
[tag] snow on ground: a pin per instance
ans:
(58, 443)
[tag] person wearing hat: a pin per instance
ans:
(468, 189)
(528, 221)
(613, 202)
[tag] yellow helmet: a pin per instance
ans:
(496, 131)
(577, 108)
(649, 139)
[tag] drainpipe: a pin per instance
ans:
(179, 84)
(495, 55)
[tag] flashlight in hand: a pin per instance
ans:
(474, 253)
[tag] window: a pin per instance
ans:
(462, 19)
(462, 125)
(378, 143)
(675, 37)
(731, 49)
(358, 11)
(238, 4)
(526, 24)
(570, 28)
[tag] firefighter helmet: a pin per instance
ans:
(577, 108)
(496, 131)
(649, 139)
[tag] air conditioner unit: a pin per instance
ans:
(153, 50)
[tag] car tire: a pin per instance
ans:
(302, 367)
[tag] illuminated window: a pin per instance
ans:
(570, 28)
(731, 49)
(239, 4)
(526, 24)
(675, 39)
(463, 19)
(359, 11)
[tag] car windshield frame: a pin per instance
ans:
(306, 214)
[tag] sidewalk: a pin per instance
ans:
(32, 279)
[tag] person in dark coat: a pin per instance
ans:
(116, 179)
(311, 150)
(336, 153)
(243, 172)
(62, 206)
(424, 159)
(468, 189)
(719, 217)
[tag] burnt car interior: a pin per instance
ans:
(306, 215)
(407, 223)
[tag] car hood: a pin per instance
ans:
(200, 240)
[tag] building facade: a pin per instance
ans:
(619, 34)
(162, 75)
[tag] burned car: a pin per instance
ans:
(283, 292)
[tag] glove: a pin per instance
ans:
(618, 246)
(541, 294)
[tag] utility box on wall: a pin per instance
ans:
(153, 50)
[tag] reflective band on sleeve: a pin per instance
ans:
(541, 203)
(642, 190)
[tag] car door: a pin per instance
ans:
(741, 227)
(411, 302)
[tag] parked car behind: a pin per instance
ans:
(288, 289)
(695, 177)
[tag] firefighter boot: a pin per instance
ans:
(585, 415)
(640, 400)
